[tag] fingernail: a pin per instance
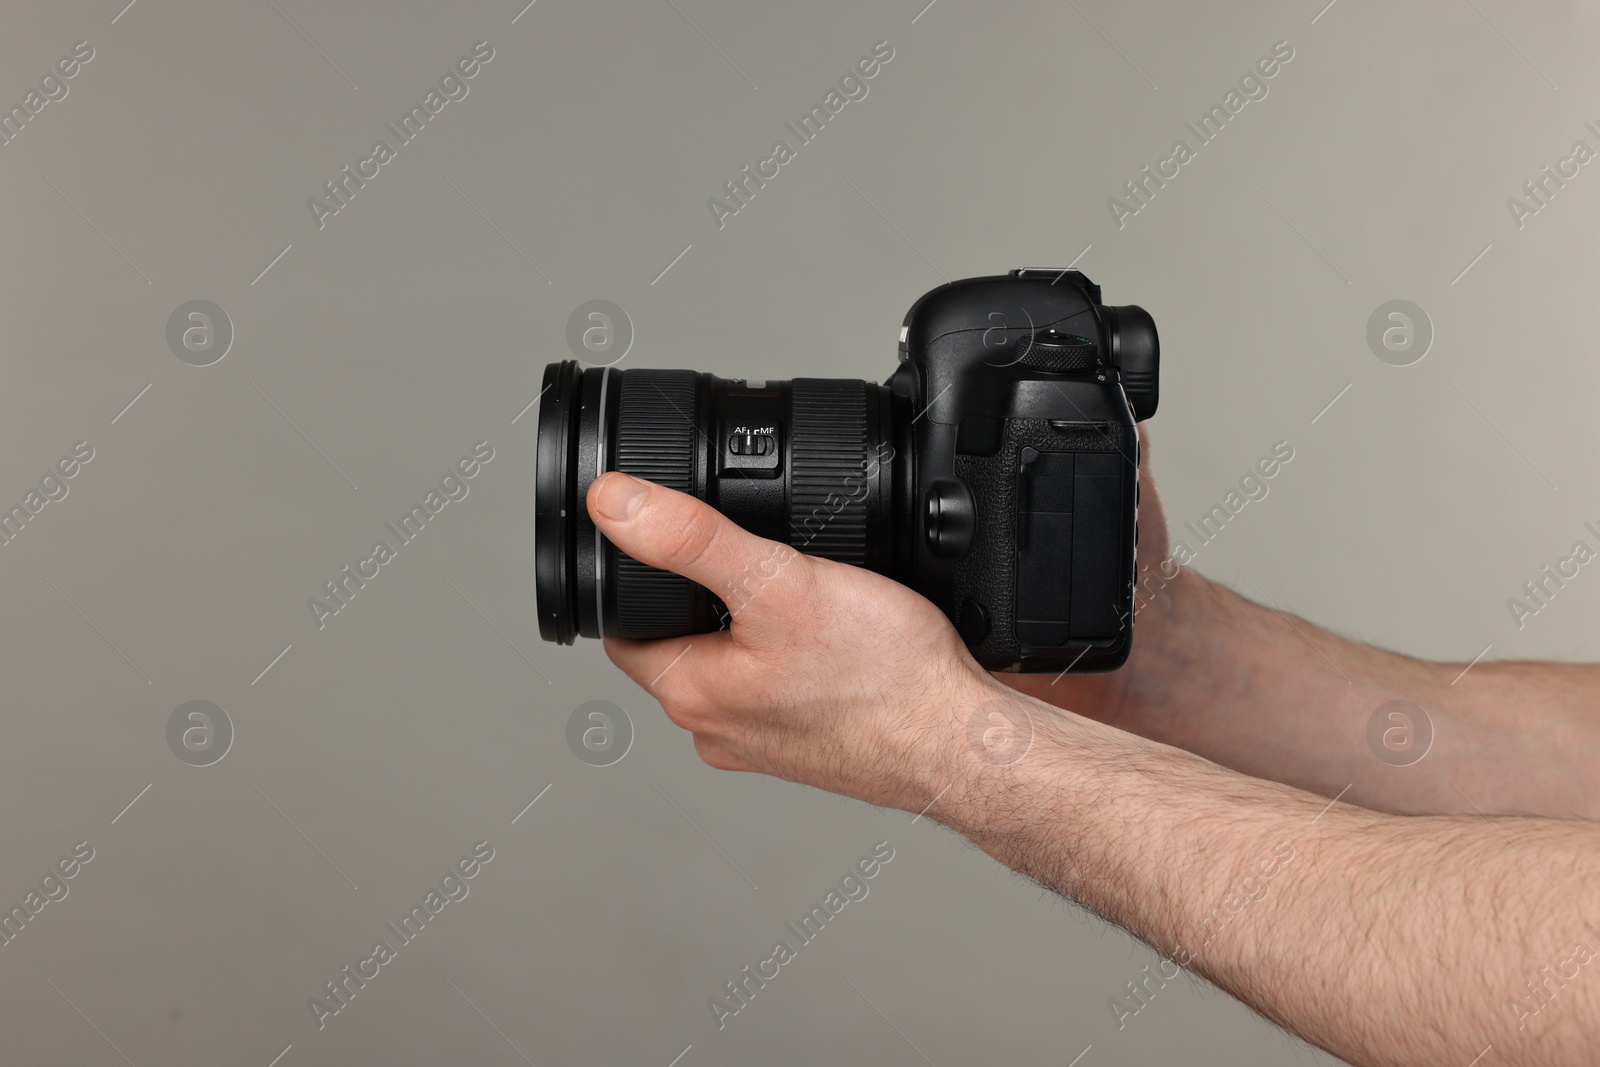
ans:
(619, 497)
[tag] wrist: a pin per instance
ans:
(972, 743)
(984, 740)
(1172, 613)
(999, 760)
(1183, 631)
(1075, 812)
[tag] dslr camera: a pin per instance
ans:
(995, 472)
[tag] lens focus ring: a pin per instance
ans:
(828, 474)
(655, 440)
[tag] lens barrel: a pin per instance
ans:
(809, 462)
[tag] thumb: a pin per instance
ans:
(676, 532)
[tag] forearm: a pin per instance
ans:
(1277, 697)
(1385, 939)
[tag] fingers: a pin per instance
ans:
(674, 531)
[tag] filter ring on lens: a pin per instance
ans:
(555, 504)
(599, 469)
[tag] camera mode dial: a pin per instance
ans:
(1052, 350)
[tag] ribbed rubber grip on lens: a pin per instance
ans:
(828, 480)
(655, 440)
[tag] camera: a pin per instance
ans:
(995, 472)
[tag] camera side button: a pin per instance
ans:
(950, 518)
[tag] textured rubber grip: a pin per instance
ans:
(655, 440)
(828, 491)
(988, 573)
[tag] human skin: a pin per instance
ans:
(1276, 697)
(1453, 911)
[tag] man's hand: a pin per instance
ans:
(1384, 939)
(1277, 697)
(829, 675)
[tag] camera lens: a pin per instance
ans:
(809, 463)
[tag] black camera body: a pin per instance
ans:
(1026, 390)
(996, 472)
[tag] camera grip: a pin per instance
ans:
(1047, 575)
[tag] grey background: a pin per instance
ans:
(1377, 168)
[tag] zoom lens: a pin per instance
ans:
(810, 462)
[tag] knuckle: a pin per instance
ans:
(712, 753)
(687, 708)
(677, 713)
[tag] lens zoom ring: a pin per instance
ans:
(655, 440)
(827, 480)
